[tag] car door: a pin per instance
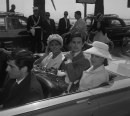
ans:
(77, 104)
(114, 100)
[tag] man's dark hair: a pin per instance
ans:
(77, 35)
(78, 13)
(66, 13)
(47, 13)
(22, 58)
(12, 5)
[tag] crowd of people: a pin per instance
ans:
(41, 29)
(83, 70)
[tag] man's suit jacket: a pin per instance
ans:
(75, 69)
(48, 29)
(62, 26)
(32, 20)
(28, 90)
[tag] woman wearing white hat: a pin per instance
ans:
(53, 56)
(96, 74)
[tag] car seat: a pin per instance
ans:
(50, 89)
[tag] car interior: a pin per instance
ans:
(51, 89)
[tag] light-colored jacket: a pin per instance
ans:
(48, 62)
(93, 78)
(80, 26)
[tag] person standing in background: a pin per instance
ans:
(80, 26)
(48, 27)
(34, 27)
(64, 24)
(13, 7)
(98, 30)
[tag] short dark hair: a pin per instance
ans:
(66, 12)
(77, 35)
(47, 14)
(13, 5)
(78, 13)
(22, 58)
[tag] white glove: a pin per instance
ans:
(32, 30)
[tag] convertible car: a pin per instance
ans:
(109, 99)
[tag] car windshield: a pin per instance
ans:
(15, 23)
(2, 24)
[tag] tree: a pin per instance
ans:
(99, 7)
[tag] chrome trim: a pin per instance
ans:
(44, 104)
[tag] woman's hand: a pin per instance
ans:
(69, 58)
(61, 73)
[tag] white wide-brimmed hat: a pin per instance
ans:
(99, 49)
(55, 37)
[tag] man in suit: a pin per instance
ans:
(80, 26)
(64, 24)
(34, 27)
(75, 61)
(48, 27)
(21, 87)
(13, 7)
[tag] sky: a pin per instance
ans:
(118, 7)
